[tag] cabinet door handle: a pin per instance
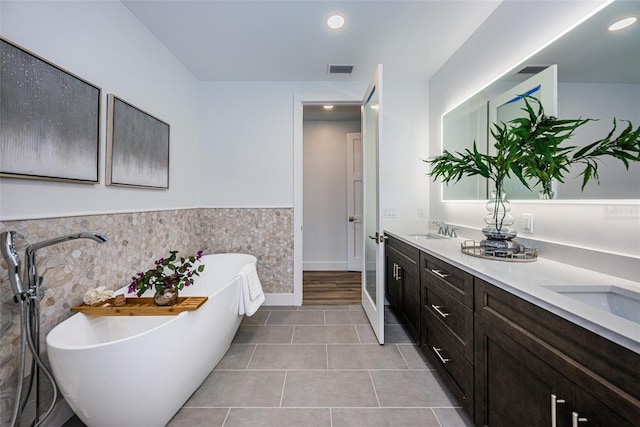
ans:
(399, 276)
(576, 419)
(440, 312)
(395, 271)
(439, 273)
(442, 359)
(554, 402)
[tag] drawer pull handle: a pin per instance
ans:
(440, 312)
(442, 359)
(554, 402)
(576, 419)
(439, 273)
(399, 277)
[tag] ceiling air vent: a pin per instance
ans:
(340, 69)
(533, 69)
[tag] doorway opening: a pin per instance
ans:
(332, 204)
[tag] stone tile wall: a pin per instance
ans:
(135, 241)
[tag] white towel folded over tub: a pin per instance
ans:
(251, 294)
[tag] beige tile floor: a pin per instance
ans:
(319, 366)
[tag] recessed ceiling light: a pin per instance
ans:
(335, 22)
(622, 24)
(328, 107)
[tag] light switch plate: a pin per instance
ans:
(527, 223)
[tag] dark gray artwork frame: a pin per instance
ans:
(49, 120)
(137, 147)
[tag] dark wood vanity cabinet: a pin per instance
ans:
(447, 325)
(535, 368)
(510, 362)
(403, 283)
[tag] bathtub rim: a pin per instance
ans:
(169, 319)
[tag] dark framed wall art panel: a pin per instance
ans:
(49, 120)
(137, 147)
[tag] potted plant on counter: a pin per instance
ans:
(530, 148)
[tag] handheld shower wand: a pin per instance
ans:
(10, 255)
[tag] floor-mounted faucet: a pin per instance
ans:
(28, 293)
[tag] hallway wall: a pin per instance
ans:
(325, 194)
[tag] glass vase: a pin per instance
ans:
(498, 230)
(166, 296)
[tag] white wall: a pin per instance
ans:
(248, 140)
(102, 42)
(405, 143)
(325, 193)
(248, 146)
(503, 41)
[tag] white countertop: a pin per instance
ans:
(530, 281)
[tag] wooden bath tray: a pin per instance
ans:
(142, 307)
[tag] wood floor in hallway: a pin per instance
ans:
(331, 287)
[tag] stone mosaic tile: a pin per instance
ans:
(265, 233)
(135, 241)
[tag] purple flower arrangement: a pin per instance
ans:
(172, 272)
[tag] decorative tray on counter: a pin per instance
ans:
(471, 247)
(141, 307)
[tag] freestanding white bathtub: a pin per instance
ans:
(138, 371)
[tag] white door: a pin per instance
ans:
(373, 273)
(354, 202)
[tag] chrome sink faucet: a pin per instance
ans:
(445, 229)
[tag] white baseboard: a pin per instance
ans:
(279, 299)
(324, 266)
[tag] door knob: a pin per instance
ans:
(352, 218)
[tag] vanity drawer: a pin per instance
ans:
(456, 371)
(452, 317)
(457, 283)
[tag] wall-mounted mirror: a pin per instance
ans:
(598, 76)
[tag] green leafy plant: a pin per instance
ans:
(171, 272)
(543, 159)
(529, 148)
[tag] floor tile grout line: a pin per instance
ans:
(403, 358)
(326, 352)
(255, 347)
(284, 384)
(325, 369)
(436, 417)
(374, 388)
(357, 334)
(322, 407)
(226, 417)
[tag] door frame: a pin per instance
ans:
(299, 101)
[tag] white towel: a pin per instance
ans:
(251, 294)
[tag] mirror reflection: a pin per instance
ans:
(598, 77)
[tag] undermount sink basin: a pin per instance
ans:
(618, 301)
(428, 236)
